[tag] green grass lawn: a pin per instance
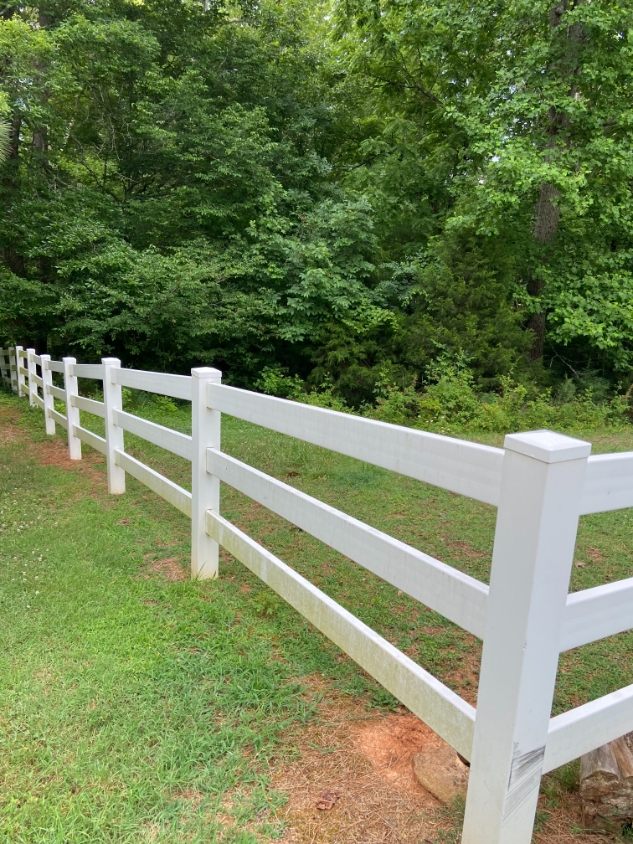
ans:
(135, 708)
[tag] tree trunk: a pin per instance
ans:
(547, 209)
(545, 228)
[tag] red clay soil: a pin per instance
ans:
(361, 764)
(358, 765)
(390, 744)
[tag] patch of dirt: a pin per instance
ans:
(190, 795)
(54, 452)
(594, 554)
(8, 434)
(363, 764)
(433, 631)
(463, 547)
(171, 568)
(9, 426)
(390, 743)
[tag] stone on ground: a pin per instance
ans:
(441, 772)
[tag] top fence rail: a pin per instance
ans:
(175, 386)
(457, 465)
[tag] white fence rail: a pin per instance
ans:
(541, 483)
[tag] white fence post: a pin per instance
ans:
(20, 377)
(13, 368)
(49, 404)
(72, 413)
(537, 520)
(30, 365)
(205, 488)
(3, 366)
(113, 400)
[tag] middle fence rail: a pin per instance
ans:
(541, 482)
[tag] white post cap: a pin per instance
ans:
(206, 372)
(547, 446)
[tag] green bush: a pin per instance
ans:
(452, 404)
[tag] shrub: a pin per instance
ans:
(451, 404)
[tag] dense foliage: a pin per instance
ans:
(347, 195)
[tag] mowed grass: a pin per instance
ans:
(133, 708)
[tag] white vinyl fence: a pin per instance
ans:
(540, 482)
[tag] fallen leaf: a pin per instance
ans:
(580, 565)
(328, 800)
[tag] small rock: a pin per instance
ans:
(328, 800)
(441, 772)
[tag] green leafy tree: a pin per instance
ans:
(506, 122)
(169, 201)
(344, 197)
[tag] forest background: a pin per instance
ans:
(419, 209)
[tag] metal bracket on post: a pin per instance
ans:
(71, 388)
(205, 488)
(49, 403)
(30, 365)
(113, 400)
(535, 537)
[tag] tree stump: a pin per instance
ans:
(606, 786)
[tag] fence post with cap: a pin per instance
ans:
(205, 488)
(19, 375)
(535, 537)
(113, 400)
(13, 368)
(30, 366)
(49, 403)
(71, 388)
